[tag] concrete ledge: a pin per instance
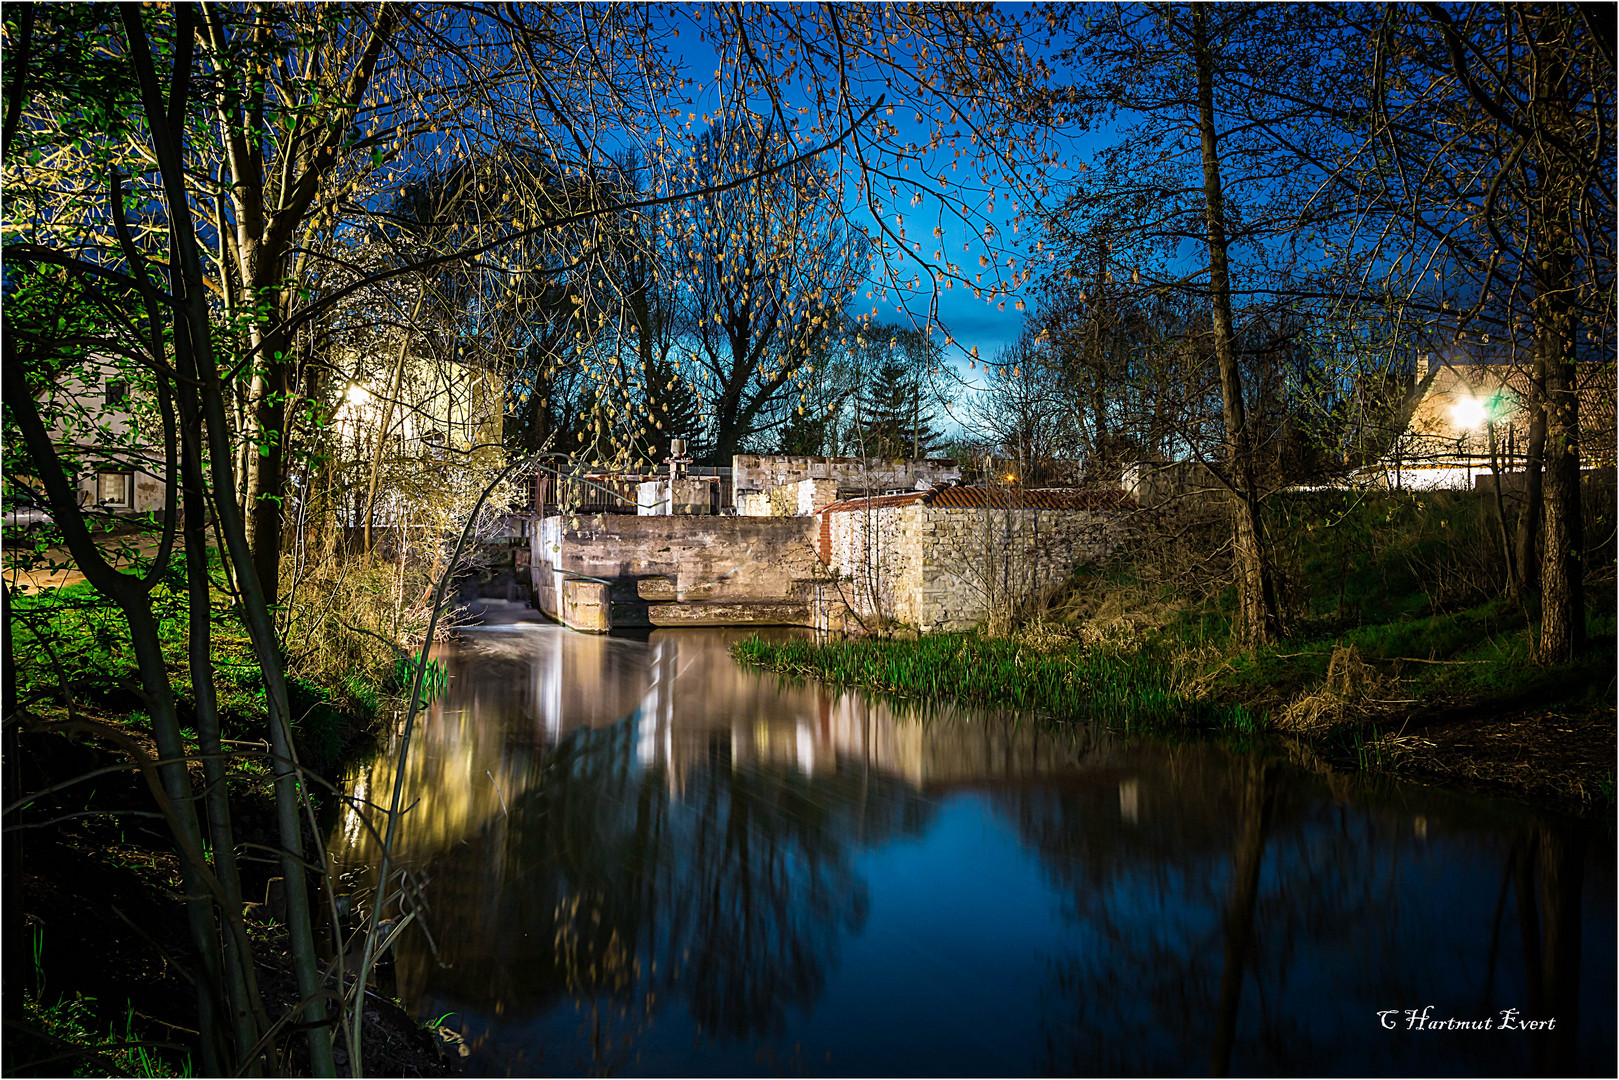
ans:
(742, 614)
(656, 588)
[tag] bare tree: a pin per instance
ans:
(767, 278)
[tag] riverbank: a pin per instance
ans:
(98, 947)
(1450, 700)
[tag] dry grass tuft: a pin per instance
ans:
(1352, 690)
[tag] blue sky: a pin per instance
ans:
(978, 324)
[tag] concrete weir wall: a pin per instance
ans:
(594, 572)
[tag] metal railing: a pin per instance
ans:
(610, 492)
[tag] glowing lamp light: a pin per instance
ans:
(357, 395)
(1470, 413)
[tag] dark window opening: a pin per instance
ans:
(117, 391)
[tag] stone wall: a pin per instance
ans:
(787, 500)
(758, 564)
(1153, 483)
(950, 568)
(756, 472)
(872, 555)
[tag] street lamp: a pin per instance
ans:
(1470, 413)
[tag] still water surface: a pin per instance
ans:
(637, 857)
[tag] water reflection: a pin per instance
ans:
(639, 857)
(1261, 922)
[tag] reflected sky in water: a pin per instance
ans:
(636, 857)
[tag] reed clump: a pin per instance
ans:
(1058, 677)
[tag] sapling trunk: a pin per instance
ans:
(386, 868)
(1529, 522)
(192, 310)
(1514, 589)
(248, 1018)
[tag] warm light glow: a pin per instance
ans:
(1470, 413)
(357, 395)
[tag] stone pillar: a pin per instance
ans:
(586, 606)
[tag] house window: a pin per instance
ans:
(114, 488)
(117, 391)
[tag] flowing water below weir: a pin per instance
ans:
(634, 856)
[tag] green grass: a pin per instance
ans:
(1131, 689)
(73, 642)
(63, 1036)
(76, 1044)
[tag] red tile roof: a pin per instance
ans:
(1026, 498)
(977, 497)
(874, 502)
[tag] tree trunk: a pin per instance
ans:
(1562, 581)
(1562, 578)
(1260, 620)
(267, 407)
(1534, 456)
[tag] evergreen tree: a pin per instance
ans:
(672, 410)
(893, 421)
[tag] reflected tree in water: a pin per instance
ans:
(600, 887)
(1259, 936)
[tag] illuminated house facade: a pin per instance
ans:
(1447, 442)
(104, 433)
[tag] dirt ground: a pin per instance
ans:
(57, 570)
(1561, 759)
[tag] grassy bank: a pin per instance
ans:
(1135, 689)
(1461, 704)
(93, 882)
(72, 651)
(1403, 655)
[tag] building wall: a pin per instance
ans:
(97, 438)
(761, 472)
(1443, 415)
(947, 568)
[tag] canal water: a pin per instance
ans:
(634, 856)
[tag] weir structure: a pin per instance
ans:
(827, 543)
